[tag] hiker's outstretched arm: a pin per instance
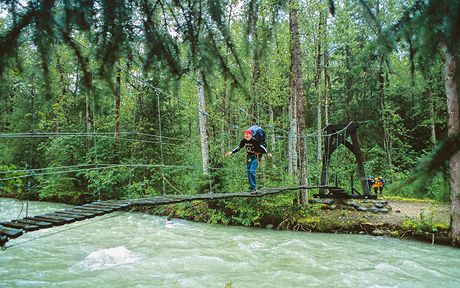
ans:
(239, 147)
(230, 153)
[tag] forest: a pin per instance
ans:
(119, 99)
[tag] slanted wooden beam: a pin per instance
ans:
(332, 142)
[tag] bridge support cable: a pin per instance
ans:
(15, 228)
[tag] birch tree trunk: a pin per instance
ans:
(292, 137)
(327, 79)
(292, 141)
(226, 114)
(383, 113)
(453, 129)
(202, 116)
(297, 95)
(386, 133)
(318, 87)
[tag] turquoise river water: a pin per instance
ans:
(126, 249)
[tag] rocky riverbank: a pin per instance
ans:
(418, 220)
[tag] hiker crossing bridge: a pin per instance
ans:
(17, 227)
(336, 135)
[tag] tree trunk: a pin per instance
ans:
(87, 80)
(226, 112)
(224, 116)
(349, 92)
(318, 87)
(202, 116)
(255, 105)
(453, 129)
(432, 116)
(272, 123)
(117, 112)
(412, 63)
(292, 139)
(253, 38)
(386, 133)
(327, 79)
(88, 118)
(61, 72)
(297, 95)
(141, 125)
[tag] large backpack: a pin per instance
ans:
(258, 134)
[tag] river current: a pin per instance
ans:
(126, 249)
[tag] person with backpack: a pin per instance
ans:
(379, 183)
(254, 144)
(370, 182)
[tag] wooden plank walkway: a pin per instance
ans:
(15, 228)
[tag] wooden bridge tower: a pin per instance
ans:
(335, 137)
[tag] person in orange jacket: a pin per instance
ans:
(379, 183)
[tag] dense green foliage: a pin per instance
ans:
(61, 79)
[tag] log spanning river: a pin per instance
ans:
(125, 249)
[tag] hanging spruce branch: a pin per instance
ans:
(161, 28)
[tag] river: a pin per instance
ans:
(126, 249)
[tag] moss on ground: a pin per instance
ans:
(410, 221)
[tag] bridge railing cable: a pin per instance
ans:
(83, 134)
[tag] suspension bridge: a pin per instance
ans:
(17, 227)
(336, 136)
(333, 136)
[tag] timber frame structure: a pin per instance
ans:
(337, 134)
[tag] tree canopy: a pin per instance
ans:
(108, 89)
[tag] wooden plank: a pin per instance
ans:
(40, 224)
(72, 215)
(114, 202)
(54, 221)
(100, 207)
(106, 210)
(57, 214)
(121, 204)
(78, 212)
(97, 212)
(65, 219)
(10, 232)
(92, 209)
(26, 227)
(116, 205)
(107, 206)
(3, 240)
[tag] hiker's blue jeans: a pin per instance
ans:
(251, 167)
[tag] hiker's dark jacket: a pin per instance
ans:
(252, 147)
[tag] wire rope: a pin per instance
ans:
(36, 134)
(161, 142)
(64, 230)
